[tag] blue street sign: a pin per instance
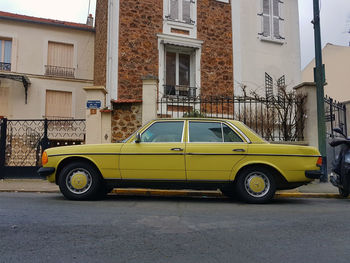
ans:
(93, 104)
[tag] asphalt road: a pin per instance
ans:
(48, 228)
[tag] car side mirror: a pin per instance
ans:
(138, 138)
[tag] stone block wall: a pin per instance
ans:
(100, 60)
(215, 29)
(140, 22)
(126, 119)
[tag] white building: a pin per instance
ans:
(44, 65)
(266, 40)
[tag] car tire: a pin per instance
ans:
(255, 185)
(343, 193)
(80, 181)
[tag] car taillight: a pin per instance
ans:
(319, 162)
(44, 158)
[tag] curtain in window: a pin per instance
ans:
(170, 69)
(7, 51)
(266, 18)
(276, 19)
(174, 9)
(186, 10)
(184, 69)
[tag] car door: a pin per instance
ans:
(158, 156)
(212, 149)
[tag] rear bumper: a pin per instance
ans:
(46, 171)
(313, 174)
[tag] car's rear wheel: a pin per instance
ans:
(343, 193)
(255, 185)
(80, 181)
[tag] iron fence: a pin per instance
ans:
(275, 118)
(23, 141)
(335, 116)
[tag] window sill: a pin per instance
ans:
(272, 40)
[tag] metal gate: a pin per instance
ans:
(335, 117)
(23, 141)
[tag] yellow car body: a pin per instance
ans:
(191, 162)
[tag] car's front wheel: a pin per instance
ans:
(80, 181)
(255, 185)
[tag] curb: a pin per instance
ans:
(185, 193)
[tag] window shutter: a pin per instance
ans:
(58, 104)
(60, 55)
(268, 86)
(174, 9)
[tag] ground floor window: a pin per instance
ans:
(179, 73)
(58, 104)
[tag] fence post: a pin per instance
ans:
(310, 129)
(45, 140)
(149, 98)
(3, 146)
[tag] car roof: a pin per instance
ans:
(196, 119)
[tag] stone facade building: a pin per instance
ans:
(185, 45)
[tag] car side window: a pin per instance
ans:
(205, 132)
(167, 131)
(230, 135)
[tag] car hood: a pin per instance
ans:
(85, 149)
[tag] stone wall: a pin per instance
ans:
(215, 28)
(140, 22)
(101, 43)
(126, 119)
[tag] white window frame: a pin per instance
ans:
(180, 24)
(271, 37)
(195, 68)
(2, 51)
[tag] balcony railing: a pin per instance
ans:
(5, 66)
(59, 71)
(180, 91)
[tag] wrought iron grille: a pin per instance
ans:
(335, 116)
(5, 66)
(25, 140)
(179, 91)
(59, 71)
(275, 119)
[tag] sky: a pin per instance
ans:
(335, 18)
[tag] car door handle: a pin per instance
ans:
(238, 150)
(177, 149)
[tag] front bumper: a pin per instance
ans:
(46, 171)
(313, 174)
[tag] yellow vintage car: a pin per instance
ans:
(186, 153)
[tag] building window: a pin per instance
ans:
(5, 54)
(60, 60)
(271, 20)
(180, 10)
(58, 104)
(179, 74)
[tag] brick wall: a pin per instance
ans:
(215, 28)
(140, 22)
(100, 59)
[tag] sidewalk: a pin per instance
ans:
(313, 190)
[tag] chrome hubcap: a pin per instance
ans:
(79, 181)
(257, 184)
